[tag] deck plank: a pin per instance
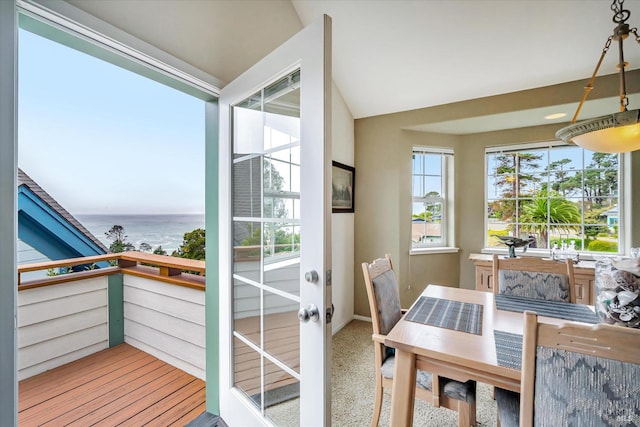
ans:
(86, 363)
(110, 390)
(110, 399)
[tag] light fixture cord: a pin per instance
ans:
(589, 86)
(621, 32)
(620, 16)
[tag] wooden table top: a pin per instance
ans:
(477, 352)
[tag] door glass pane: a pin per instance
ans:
(281, 396)
(246, 311)
(282, 329)
(247, 247)
(266, 247)
(247, 368)
(246, 182)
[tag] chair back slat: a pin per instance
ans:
(534, 278)
(383, 294)
(577, 374)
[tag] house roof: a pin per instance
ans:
(48, 227)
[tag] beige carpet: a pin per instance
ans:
(353, 387)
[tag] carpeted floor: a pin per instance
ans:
(353, 387)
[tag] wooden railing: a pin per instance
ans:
(157, 305)
(157, 267)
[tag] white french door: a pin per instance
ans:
(275, 231)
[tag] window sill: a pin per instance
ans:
(435, 250)
(544, 253)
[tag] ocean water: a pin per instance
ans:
(156, 230)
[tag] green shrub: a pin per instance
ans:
(603, 246)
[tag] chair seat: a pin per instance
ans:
(453, 389)
(508, 407)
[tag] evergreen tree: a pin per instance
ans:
(193, 245)
(119, 240)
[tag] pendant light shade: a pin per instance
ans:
(613, 133)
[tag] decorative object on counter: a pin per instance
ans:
(618, 291)
(513, 242)
(564, 252)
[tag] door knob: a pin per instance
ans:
(309, 313)
(311, 276)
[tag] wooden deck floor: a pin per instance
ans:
(118, 386)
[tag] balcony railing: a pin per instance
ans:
(145, 300)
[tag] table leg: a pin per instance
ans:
(403, 390)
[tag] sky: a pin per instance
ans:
(101, 139)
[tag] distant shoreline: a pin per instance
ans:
(166, 230)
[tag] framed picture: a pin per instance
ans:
(343, 185)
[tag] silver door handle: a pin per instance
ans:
(309, 313)
(311, 276)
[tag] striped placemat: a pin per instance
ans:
(444, 313)
(508, 349)
(559, 310)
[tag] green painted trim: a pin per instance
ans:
(116, 309)
(8, 214)
(212, 294)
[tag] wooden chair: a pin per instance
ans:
(384, 301)
(580, 375)
(534, 278)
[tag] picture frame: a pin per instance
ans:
(343, 187)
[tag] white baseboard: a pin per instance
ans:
(336, 328)
(363, 318)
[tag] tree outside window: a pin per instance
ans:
(554, 194)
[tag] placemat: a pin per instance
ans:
(444, 313)
(508, 349)
(559, 310)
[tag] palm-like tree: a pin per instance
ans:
(549, 211)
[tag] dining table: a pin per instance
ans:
(465, 334)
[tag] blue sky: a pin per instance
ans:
(101, 139)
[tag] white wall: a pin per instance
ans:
(62, 323)
(166, 321)
(342, 225)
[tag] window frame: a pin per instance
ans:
(622, 195)
(446, 199)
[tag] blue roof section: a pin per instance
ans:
(49, 228)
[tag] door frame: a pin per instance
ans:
(311, 48)
(8, 212)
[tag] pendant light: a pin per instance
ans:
(613, 133)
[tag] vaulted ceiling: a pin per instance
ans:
(392, 56)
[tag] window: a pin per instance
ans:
(554, 195)
(432, 171)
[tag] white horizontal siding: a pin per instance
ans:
(61, 323)
(246, 298)
(166, 321)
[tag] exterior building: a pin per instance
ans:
(47, 231)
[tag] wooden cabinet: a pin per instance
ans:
(583, 277)
(484, 278)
